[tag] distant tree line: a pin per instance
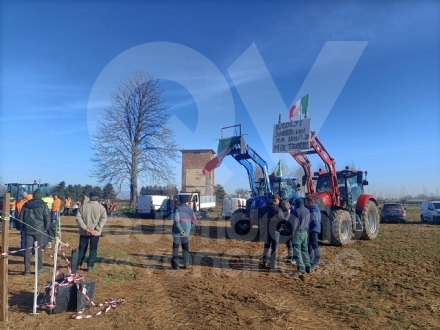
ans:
(77, 191)
(159, 190)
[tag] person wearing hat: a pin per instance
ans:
(272, 216)
(91, 218)
(298, 225)
(35, 218)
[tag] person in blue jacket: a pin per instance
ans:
(314, 230)
(183, 220)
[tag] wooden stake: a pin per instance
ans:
(4, 260)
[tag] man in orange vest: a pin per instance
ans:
(26, 197)
(20, 204)
(55, 207)
(67, 205)
(112, 209)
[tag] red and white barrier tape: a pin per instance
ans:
(112, 304)
(69, 264)
(45, 302)
(4, 254)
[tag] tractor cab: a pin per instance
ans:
(350, 185)
(285, 186)
(17, 189)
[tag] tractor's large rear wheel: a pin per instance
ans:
(370, 220)
(342, 228)
(241, 224)
(242, 227)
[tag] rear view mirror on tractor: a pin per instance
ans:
(360, 177)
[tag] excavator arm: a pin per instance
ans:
(250, 171)
(244, 154)
(316, 147)
(304, 162)
(243, 158)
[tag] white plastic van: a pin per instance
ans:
(230, 205)
(430, 212)
(150, 205)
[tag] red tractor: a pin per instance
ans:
(347, 212)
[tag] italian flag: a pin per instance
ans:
(277, 171)
(224, 148)
(300, 107)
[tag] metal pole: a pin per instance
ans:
(4, 261)
(34, 311)
(58, 229)
(55, 258)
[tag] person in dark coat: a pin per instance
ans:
(35, 217)
(298, 225)
(314, 230)
(272, 216)
(171, 204)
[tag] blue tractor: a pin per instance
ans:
(242, 220)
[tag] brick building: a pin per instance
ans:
(193, 179)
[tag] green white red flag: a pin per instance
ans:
(224, 148)
(300, 107)
(278, 171)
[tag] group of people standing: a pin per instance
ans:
(39, 216)
(110, 207)
(300, 223)
(68, 206)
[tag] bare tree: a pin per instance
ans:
(258, 173)
(241, 193)
(132, 139)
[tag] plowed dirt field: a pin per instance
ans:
(388, 283)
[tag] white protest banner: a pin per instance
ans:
(291, 136)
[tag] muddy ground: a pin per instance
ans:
(388, 283)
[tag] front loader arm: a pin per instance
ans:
(318, 148)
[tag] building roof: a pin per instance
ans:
(197, 150)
